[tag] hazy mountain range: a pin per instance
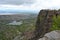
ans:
(17, 16)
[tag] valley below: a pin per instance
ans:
(13, 25)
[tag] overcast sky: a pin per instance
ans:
(29, 4)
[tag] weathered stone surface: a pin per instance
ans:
(54, 35)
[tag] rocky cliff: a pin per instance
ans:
(44, 23)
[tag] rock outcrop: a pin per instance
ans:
(54, 35)
(44, 23)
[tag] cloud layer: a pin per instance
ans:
(29, 4)
(16, 2)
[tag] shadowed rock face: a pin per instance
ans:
(44, 23)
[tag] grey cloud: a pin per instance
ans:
(16, 2)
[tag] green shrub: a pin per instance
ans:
(56, 23)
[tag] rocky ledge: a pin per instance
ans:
(54, 35)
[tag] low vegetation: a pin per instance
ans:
(56, 23)
(9, 32)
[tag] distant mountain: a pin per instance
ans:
(17, 16)
(17, 11)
